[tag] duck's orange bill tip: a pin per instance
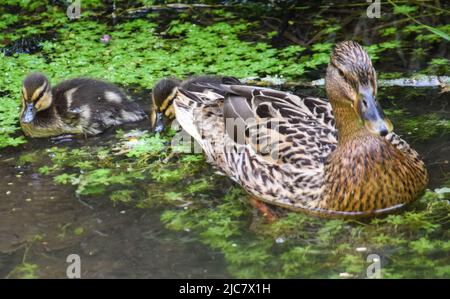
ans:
(372, 115)
(389, 125)
(380, 126)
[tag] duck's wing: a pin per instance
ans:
(291, 129)
(200, 83)
(273, 143)
(410, 153)
(402, 145)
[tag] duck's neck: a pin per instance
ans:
(348, 124)
(361, 174)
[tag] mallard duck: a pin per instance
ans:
(76, 106)
(336, 158)
(164, 91)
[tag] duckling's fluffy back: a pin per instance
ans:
(94, 105)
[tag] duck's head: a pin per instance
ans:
(163, 95)
(351, 83)
(36, 96)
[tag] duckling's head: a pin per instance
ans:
(163, 95)
(36, 96)
(351, 83)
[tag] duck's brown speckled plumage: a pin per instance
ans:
(325, 160)
(372, 173)
(76, 106)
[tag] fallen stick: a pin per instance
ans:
(169, 6)
(420, 81)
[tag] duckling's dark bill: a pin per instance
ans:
(158, 123)
(29, 113)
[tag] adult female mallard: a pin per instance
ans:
(76, 106)
(336, 158)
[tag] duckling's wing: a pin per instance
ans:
(279, 149)
(94, 105)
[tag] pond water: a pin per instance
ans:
(42, 222)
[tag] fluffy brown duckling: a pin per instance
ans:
(76, 106)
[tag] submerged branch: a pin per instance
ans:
(422, 81)
(179, 6)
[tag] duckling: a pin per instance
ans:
(164, 92)
(76, 106)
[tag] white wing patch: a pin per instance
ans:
(113, 97)
(69, 96)
(129, 116)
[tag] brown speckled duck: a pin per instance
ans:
(336, 158)
(77, 106)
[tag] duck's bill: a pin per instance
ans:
(372, 115)
(28, 114)
(156, 119)
(153, 118)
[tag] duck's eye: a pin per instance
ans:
(364, 101)
(341, 73)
